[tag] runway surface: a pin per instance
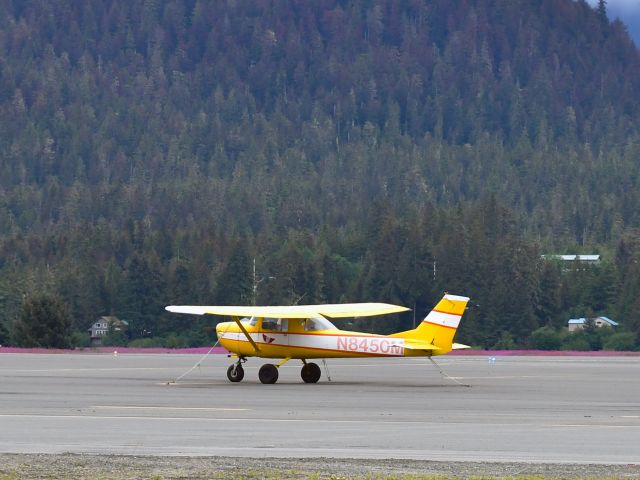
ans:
(530, 409)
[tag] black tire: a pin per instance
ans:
(310, 373)
(235, 373)
(268, 373)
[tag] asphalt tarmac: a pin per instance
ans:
(524, 409)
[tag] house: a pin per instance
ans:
(101, 327)
(579, 323)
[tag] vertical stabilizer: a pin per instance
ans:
(440, 325)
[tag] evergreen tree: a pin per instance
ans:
(549, 305)
(602, 11)
(234, 282)
(4, 334)
(142, 303)
(44, 322)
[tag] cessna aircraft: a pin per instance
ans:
(304, 332)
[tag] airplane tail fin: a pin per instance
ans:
(440, 325)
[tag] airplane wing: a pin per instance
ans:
(342, 310)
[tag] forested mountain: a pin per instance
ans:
(357, 150)
(626, 10)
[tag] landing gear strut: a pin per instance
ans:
(310, 372)
(235, 372)
(268, 373)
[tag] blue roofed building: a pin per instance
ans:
(579, 323)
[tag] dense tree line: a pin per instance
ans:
(476, 250)
(358, 150)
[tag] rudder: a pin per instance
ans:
(440, 325)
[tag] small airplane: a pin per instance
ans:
(304, 332)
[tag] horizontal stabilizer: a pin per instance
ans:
(415, 344)
(459, 346)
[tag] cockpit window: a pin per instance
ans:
(314, 324)
(276, 324)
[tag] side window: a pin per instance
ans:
(275, 324)
(269, 323)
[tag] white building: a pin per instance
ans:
(579, 323)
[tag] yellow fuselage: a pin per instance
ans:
(296, 341)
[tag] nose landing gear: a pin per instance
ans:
(235, 372)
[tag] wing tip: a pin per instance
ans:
(191, 309)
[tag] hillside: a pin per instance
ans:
(628, 11)
(149, 150)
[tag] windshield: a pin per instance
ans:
(251, 321)
(318, 323)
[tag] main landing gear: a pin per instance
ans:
(310, 372)
(268, 372)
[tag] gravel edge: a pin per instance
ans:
(41, 466)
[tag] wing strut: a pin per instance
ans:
(246, 334)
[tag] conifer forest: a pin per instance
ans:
(157, 152)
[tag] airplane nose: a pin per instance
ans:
(221, 328)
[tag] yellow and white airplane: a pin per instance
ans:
(304, 332)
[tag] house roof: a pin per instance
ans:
(609, 321)
(111, 320)
(581, 321)
(572, 258)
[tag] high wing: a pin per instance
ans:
(337, 310)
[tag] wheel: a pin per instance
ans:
(235, 373)
(268, 373)
(310, 373)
